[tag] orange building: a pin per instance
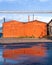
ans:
(34, 28)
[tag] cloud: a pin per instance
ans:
(43, 0)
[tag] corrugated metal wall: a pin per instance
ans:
(30, 29)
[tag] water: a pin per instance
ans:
(27, 59)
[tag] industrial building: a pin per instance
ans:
(50, 28)
(35, 29)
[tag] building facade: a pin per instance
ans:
(36, 29)
(50, 28)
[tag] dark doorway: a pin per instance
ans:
(1, 35)
(47, 29)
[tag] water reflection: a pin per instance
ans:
(26, 54)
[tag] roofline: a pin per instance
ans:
(12, 21)
(50, 21)
(26, 22)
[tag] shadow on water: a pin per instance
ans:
(27, 60)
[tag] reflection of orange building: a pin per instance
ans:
(28, 29)
(37, 50)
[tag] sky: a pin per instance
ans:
(25, 5)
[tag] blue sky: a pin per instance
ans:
(25, 5)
